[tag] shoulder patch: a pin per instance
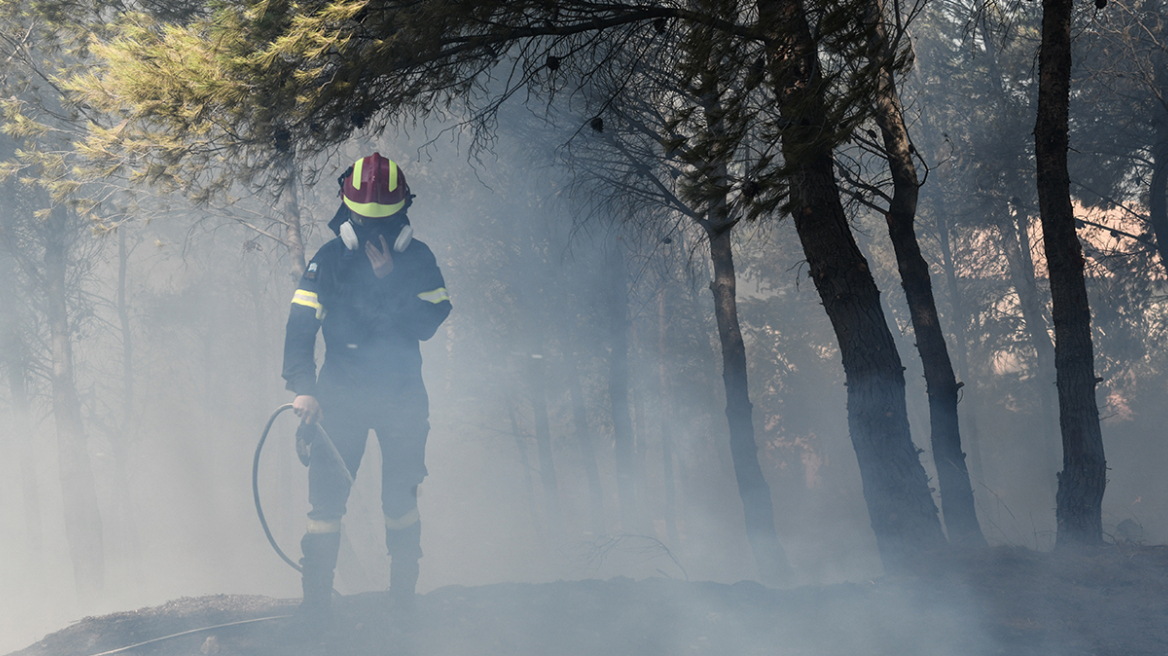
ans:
(310, 272)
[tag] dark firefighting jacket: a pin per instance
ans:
(372, 326)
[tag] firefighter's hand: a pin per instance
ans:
(381, 259)
(307, 408)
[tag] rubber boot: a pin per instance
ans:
(405, 548)
(317, 565)
(403, 577)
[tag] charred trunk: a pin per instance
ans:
(1158, 190)
(752, 486)
(1084, 475)
(941, 384)
(960, 319)
(753, 489)
(904, 517)
(1016, 247)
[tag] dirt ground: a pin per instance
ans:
(1112, 600)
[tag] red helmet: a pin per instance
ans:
(377, 187)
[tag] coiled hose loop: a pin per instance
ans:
(255, 487)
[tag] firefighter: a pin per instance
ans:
(375, 293)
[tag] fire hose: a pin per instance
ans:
(321, 438)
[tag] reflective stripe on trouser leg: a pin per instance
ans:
(317, 526)
(406, 520)
(404, 541)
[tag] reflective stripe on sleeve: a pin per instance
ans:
(404, 521)
(308, 299)
(435, 296)
(316, 526)
(302, 297)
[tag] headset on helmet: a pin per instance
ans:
(375, 187)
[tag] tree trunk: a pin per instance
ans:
(122, 436)
(543, 442)
(83, 526)
(640, 434)
(752, 486)
(753, 489)
(16, 366)
(1015, 241)
(525, 464)
(941, 384)
(584, 443)
(666, 417)
(618, 390)
(292, 224)
(1158, 190)
(904, 517)
(960, 317)
(127, 336)
(1084, 476)
(1016, 246)
(14, 358)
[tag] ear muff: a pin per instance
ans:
(403, 238)
(349, 236)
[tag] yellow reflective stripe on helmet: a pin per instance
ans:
(435, 296)
(373, 210)
(317, 526)
(404, 521)
(357, 166)
(392, 175)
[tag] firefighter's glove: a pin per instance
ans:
(305, 436)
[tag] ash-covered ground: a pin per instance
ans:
(1112, 600)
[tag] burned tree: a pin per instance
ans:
(942, 386)
(1084, 474)
(900, 506)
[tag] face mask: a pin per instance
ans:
(353, 234)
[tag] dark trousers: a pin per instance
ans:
(401, 423)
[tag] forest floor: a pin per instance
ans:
(1004, 600)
